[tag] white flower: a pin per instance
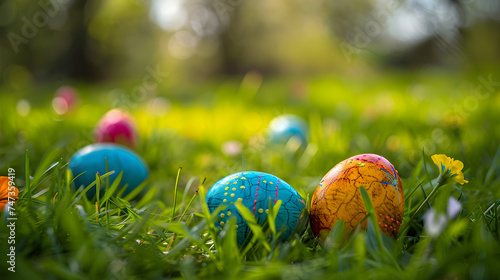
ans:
(434, 225)
(453, 208)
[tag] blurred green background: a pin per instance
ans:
(403, 79)
(62, 41)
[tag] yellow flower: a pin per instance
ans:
(449, 168)
(7, 191)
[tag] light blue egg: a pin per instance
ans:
(254, 189)
(91, 159)
(284, 127)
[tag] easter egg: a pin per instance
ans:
(65, 100)
(338, 197)
(254, 189)
(117, 126)
(92, 159)
(286, 127)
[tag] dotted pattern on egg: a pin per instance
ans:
(338, 197)
(254, 189)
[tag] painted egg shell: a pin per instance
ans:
(338, 197)
(117, 126)
(254, 189)
(92, 159)
(65, 99)
(284, 127)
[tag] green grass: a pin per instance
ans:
(168, 231)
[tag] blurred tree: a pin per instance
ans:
(78, 39)
(59, 40)
(78, 61)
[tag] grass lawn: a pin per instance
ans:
(60, 234)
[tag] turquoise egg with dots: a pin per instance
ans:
(254, 190)
(287, 127)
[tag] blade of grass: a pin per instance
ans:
(272, 216)
(373, 220)
(431, 194)
(42, 166)
(254, 225)
(78, 195)
(425, 167)
(333, 240)
(189, 184)
(414, 189)
(68, 179)
(39, 181)
(371, 213)
(110, 191)
(425, 195)
(134, 192)
(175, 193)
(302, 223)
(493, 166)
(107, 193)
(189, 204)
(27, 178)
(97, 193)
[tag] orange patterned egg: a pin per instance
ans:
(338, 197)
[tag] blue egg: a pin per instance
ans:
(92, 159)
(284, 127)
(254, 189)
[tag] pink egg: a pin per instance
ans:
(117, 126)
(65, 100)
